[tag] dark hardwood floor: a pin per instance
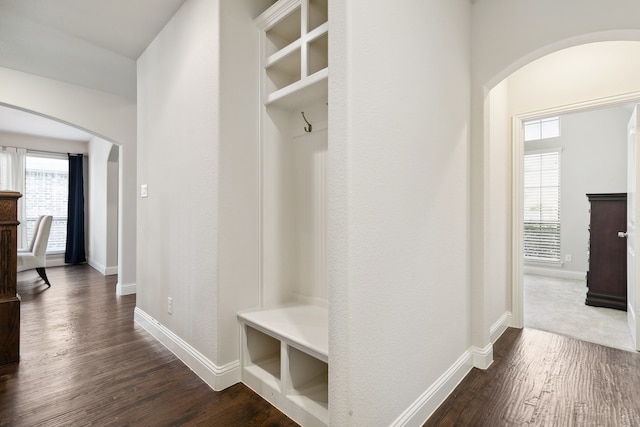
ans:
(85, 362)
(543, 379)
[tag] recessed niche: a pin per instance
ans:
(317, 54)
(284, 72)
(318, 13)
(283, 33)
(263, 354)
(309, 379)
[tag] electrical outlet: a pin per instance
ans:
(567, 257)
(169, 305)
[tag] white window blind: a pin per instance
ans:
(542, 206)
(47, 193)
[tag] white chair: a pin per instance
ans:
(34, 257)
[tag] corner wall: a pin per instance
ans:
(178, 159)
(398, 207)
(198, 154)
(101, 239)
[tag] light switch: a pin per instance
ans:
(143, 190)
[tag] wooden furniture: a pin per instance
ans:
(285, 352)
(9, 299)
(607, 275)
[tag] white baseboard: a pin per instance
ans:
(217, 377)
(501, 325)
(482, 357)
(111, 271)
(56, 260)
(554, 272)
(107, 271)
(418, 413)
(125, 288)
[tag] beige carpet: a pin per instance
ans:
(557, 305)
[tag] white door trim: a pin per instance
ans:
(517, 190)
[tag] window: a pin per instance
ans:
(542, 128)
(46, 193)
(542, 206)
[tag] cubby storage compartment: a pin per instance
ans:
(317, 54)
(284, 72)
(295, 50)
(284, 32)
(318, 13)
(263, 356)
(308, 383)
(285, 359)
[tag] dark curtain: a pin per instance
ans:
(75, 253)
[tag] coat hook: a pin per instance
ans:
(306, 129)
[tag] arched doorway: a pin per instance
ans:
(560, 82)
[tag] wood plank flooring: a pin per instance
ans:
(543, 379)
(85, 362)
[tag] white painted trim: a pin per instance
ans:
(111, 271)
(517, 223)
(482, 357)
(106, 271)
(217, 377)
(420, 411)
(125, 288)
(554, 272)
(501, 325)
(54, 260)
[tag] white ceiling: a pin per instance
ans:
(123, 27)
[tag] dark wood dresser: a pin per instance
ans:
(607, 275)
(9, 300)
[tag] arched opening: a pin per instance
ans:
(110, 117)
(580, 78)
(44, 137)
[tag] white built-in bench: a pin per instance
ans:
(285, 359)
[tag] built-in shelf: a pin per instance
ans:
(295, 50)
(284, 72)
(284, 31)
(284, 353)
(303, 91)
(302, 326)
(286, 359)
(318, 13)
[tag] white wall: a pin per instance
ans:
(398, 203)
(113, 194)
(593, 160)
(498, 246)
(198, 228)
(238, 174)
(101, 237)
(178, 145)
(108, 116)
(503, 40)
